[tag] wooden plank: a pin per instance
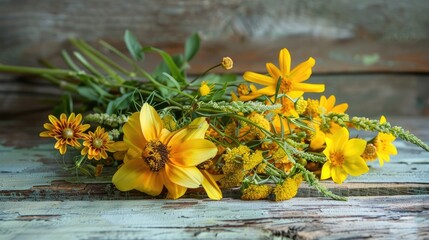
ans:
(371, 35)
(300, 218)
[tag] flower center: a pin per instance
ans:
(155, 155)
(285, 85)
(68, 133)
(337, 159)
(97, 143)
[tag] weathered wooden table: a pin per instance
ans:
(36, 202)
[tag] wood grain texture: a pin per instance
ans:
(360, 217)
(343, 36)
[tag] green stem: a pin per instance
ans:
(36, 71)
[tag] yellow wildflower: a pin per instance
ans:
(242, 90)
(157, 157)
(96, 144)
(65, 130)
(383, 143)
(291, 80)
(227, 63)
(301, 105)
(252, 160)
(288, 189)
(256, 192)
(288, 108)
(313, 108)
(328, 105)
(344, 157)
(261, 122)
(205, 88)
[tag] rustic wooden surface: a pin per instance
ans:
(372, 54)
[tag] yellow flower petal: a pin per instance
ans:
(340, 138)
(193, 152)
(150, 183)
(195, 130)
(354, 147)
(150, 122)
(355, 166)
(189, 177)
(341, 108)
(211, 187)
(326, 171)
(174, 191)
(258, 78)
(284, 61)
(127, 176)
(338, 174)
(309, 87)
(274, 72)
(133, 135)
(303, 71)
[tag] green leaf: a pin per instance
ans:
(119, 103)
(172, 80)
(174, 69)
(191, 46)
(133, 45)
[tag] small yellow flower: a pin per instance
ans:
(96, 144)
(288, 189)
(65, 130)
(256, 192)
(261, 122)
(227, 63)
(328, 105)
(157, 157)
(205, 88)
(243, 90)
(301, 105)
(344, 157)
(291, 80)
(384, 145)
(313, 108)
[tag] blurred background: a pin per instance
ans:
(372, 54)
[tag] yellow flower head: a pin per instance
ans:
(256, 192)
(260, 121)
(288, 107)
(205, 88)
(291, 80)
(301, 105)
(96, 144)
(288, 189)
(227, 63)
(383, 143)
(65, 130)
(243, 90)
(313, 108)
(157, 157)
(327, 105)
(344, 157)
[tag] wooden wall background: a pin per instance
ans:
(373, 54)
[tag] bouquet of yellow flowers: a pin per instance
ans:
(166, 130)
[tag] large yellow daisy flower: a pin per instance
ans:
(157, 157)
(344, 157)
(65, 130)
(291, 80)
